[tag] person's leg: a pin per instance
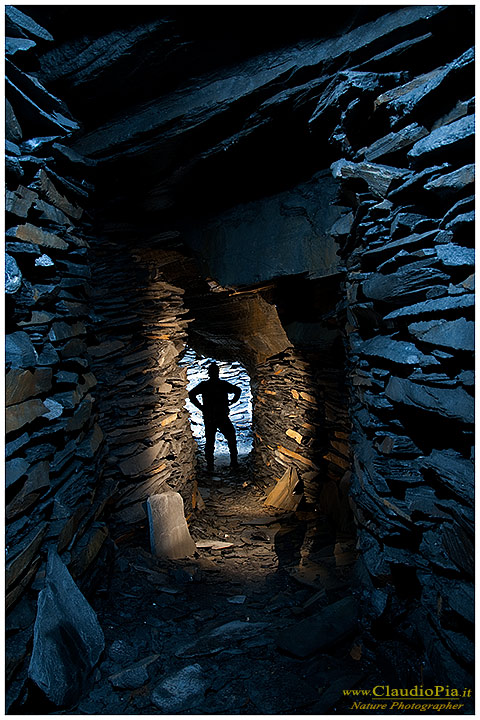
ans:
(210, 431)
(227, 429)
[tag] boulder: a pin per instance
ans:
(68, 639)
(181, 691)
(169, 534)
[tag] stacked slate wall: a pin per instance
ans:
(390, 105)
(95, 416)
(409, 288)
(54, 494)
(140, 334)
(287, 420)
(301, 421)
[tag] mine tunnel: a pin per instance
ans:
(287, 192)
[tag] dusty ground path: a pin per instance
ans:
(201, 636)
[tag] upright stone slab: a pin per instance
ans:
(68, 639)
(169, 534)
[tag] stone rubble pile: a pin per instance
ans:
(192, 635)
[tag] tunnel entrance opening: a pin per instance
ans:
(240, 414)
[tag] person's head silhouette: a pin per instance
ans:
(213, 371)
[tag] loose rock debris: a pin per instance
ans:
(234, 629)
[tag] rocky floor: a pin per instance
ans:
(235, 629)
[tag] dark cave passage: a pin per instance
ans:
(216, 617)
(301, 211)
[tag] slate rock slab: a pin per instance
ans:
(453, 471)
(446, 137)
(435, 305)
(454, 404)
(397, 351)
(14, 469)
(224, 637)
(18, 18)
(68, 639)
(13, 45)
(320, 631)
(21, 384)
(19, 351)
(378, 177)
(134, 676)
(169, 534)
(395, 141)
(406, 284)
(16, 416)
(457, 334)
(181, 691)
(452, 182)
(452, 255)
(31, 234)
(13, 276)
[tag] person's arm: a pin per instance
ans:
(193, 397)
(236, 394)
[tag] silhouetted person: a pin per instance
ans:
(215, 408)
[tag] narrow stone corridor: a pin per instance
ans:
(224, 631)
(302, 206)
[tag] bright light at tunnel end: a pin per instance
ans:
(240, 413)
